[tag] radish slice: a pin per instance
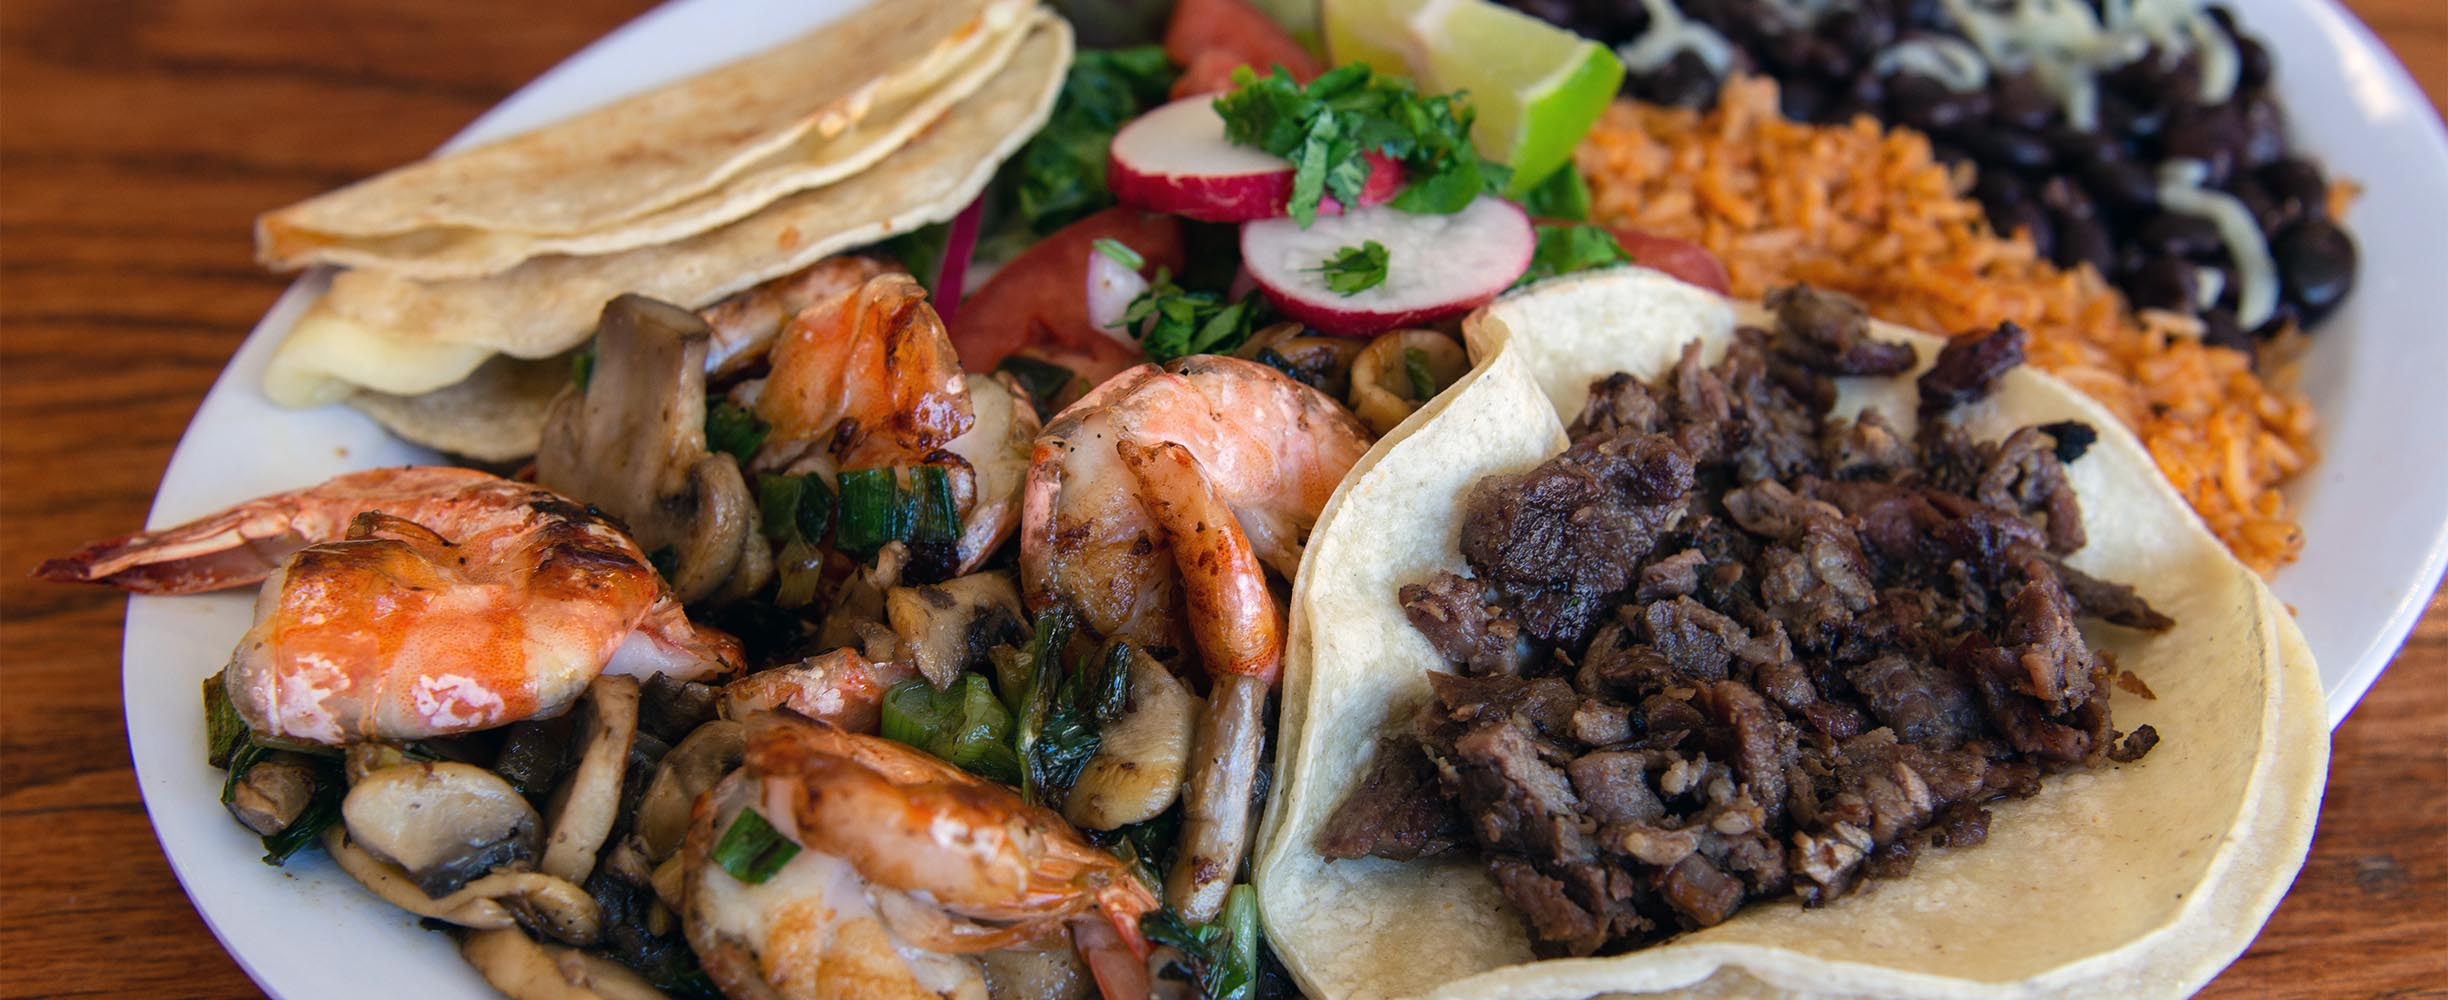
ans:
(1436, 265)
(1175, 159)
(1111, 288)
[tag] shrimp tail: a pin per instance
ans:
(243, 544)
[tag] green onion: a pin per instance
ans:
(752, 850)
(1119, 252)
(778, 504)
(873, 513)
(331, 789)
(816, 506)
(224, 731)
(1240, 923)
(1044, 381)
(582, 366)
(799, 570)
(963, 724)
(1423, 382)
(729, 428)
(934, 516)
(1107, 691)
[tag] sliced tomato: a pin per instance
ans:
(1211, 38)
(1684, 260)
(1039, 301)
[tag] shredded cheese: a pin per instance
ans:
(1953, 62)
(1671, 34)
(2256, 272)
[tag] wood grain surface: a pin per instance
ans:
(138, 139)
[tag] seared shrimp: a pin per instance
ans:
(1155, 503)
(907, 865)
(745, 324)
(869, 376)
(409, 603)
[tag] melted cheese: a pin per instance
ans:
(2181, 190)
(326, 357)
(1670, 34)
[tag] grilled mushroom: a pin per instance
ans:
(692, 767)
(1315, 360)
(946, 627)
(583, 808)
(526, 969)
(1399, 371)
(632, 442)
(505, 898)
(272, 793)
(1137, 770)
(444, 824)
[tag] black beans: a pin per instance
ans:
(2297, 186)
(2122, 183)
(2316, 266)
(2214, 138)
(2220, 329)
(2085, 195)
(2009, 148)
(2165, 283)
(2085, 241)
(2176, 234)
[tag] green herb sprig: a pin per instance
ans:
(1570, 247)
(1353, 270)
(1172, 322)
(1059, 176)
(1328, 127)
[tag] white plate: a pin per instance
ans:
(2375, 509)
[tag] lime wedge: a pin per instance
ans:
(1376, 32)
(1298, 17)
(1538, 88)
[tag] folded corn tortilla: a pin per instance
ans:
(654, 150)
(2139, 880)
(813, 161)
(377, 330)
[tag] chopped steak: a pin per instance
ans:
(1830, 333)
(1968, 366)
(1723, 648)
(1458, 620)
(1395, 812)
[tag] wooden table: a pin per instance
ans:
(138, 140)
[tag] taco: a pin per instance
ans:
(2108, 875)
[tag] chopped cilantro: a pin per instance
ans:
(1171, 322)
(1564, 249)
(1328, 128)
(1353, 270)
(1564, 195)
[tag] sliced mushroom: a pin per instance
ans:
(444, 824)
(1319, 362)
(1386, 375)
(503, 899)
(526, 969)
(633, 443)
(1052, 972)
(272, 793)
(582, 810)
(858, 606)
(946, 628)
(700, 760)
(1137, 770)
(361, 759)
(674, 709)
(534, 753)
(998, 448)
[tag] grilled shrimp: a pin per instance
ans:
(907, 866)
(869, 376)
(416, 602)
(1156, 503)
(745, 324)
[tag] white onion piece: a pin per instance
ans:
(1111, 287)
